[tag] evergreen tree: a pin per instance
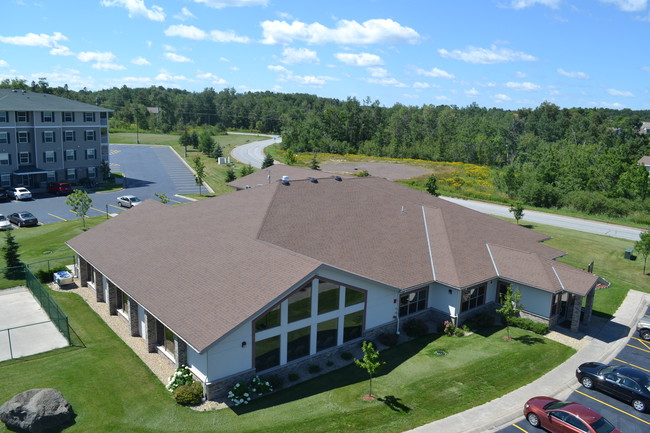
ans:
(217, 151)
(14, 267)
(432, 185)
(268, 161)
(230, 175)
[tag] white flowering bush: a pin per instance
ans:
(240, 394)
(260, 386)
(182, 376)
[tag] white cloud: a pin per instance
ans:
(137, 8)
(386, 82)
(629, 5)
(189, 32)
(472, 92)
(277, 68)
(443, 98)
(177, 58)
(212, 78)
(615, 92)
(573, 74)
(421, 85)
(168, 48)
(291, 56)
(376, 31)
(184, 14)
(228, 36)
(434, 72)
(40, 40)
(100, 60)
(522, 4)
(520, 74)
(309, 80)
(218, 4)
(139, 81)
(646, 68)
(166, 76)
(360, 59)
(501, 97)
(140, 61)
(377, 72)
(223, 59)
(486, 56)
(528, 86)
(4, 64)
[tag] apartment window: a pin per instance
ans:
(4, 116)
(23, 137)
(91, 154)
(68, 135)
(89, 135)
(24, 158)
(71, 174)
(68, 116)
(22, 116)
(92, 172)
(89, 117)
(473, 297)
(70, 155)
(4, 138)
(47, 116)
(51, 176)
(5, 159)
(5, 179)
(49, 156)
(103, 115)
(412, 302)
(48, 136)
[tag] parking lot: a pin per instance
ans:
(636, 353)
(148, 170)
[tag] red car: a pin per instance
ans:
(558, 416)
(59, 188)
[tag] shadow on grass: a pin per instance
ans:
(394, 404)
(530, 340)
(488, 331)
(344, 376)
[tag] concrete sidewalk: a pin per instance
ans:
(602, 341)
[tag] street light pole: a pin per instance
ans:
(137, 129)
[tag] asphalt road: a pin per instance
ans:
(253, 153)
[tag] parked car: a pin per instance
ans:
(23, 218)
(19, 193)
(59, 188)
(128, 201)
(625, 383)
(4, 223)
(643, 326)
(3, 195)
(558, 416)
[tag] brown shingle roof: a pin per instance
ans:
(274, 173)
(205, 267)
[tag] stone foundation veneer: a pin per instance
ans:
(151, 339)
(180, 351)
(133, 318)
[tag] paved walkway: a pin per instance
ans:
(600, 343)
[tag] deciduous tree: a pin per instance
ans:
(642, 246)
(80, 202)
(370, 361)
(510, 306)
(199, 171)
(517, 210)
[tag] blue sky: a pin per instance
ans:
(498, 53)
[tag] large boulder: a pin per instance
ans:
(37, 411)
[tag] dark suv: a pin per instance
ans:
(3, 195)
(59, 188)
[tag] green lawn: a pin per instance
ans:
(111, 390)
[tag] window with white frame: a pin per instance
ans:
(5, 179)
(71, 174)
(68, 135)
(89, 135)
(23, 137)
(49, 156)
(47, 116)
(4, 116)
(68, 116)
(89, 117)
(51, 176)
(70, 154)
(5, 159)
(24, 158)
(4, 137)
(92, 172)
(22, 116)
(91, 154)
(48, 136)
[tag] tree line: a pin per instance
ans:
(584, 158)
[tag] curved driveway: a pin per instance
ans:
(253, 153)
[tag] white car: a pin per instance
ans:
(19, 193)
(128, 201)
(4, 223)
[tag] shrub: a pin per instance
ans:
(346, 356)
(260, 386)
(529, 325)
(294, 376)
(388, 339)
(459, 332)
(240, 394)
(448, 328)
(277, 382)
(415, 328)
(329, 363)
(189, 395)
(182, 376)
(314, 368)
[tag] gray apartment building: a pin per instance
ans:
(46, 138)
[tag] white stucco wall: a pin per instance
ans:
(226, 357)
(441, 299)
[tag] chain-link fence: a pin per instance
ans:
(50, 307)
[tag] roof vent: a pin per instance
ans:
(285, 182)
(313, 180)
(247, 187)
(284, 178)
(337, 178)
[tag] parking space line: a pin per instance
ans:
(628, 363)
(176, 201)
(98, 210)
(62, 219)
(85, 216)
(645, 343)
(613, 407)
(526, 431)
(116, 207)
(638, 348)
